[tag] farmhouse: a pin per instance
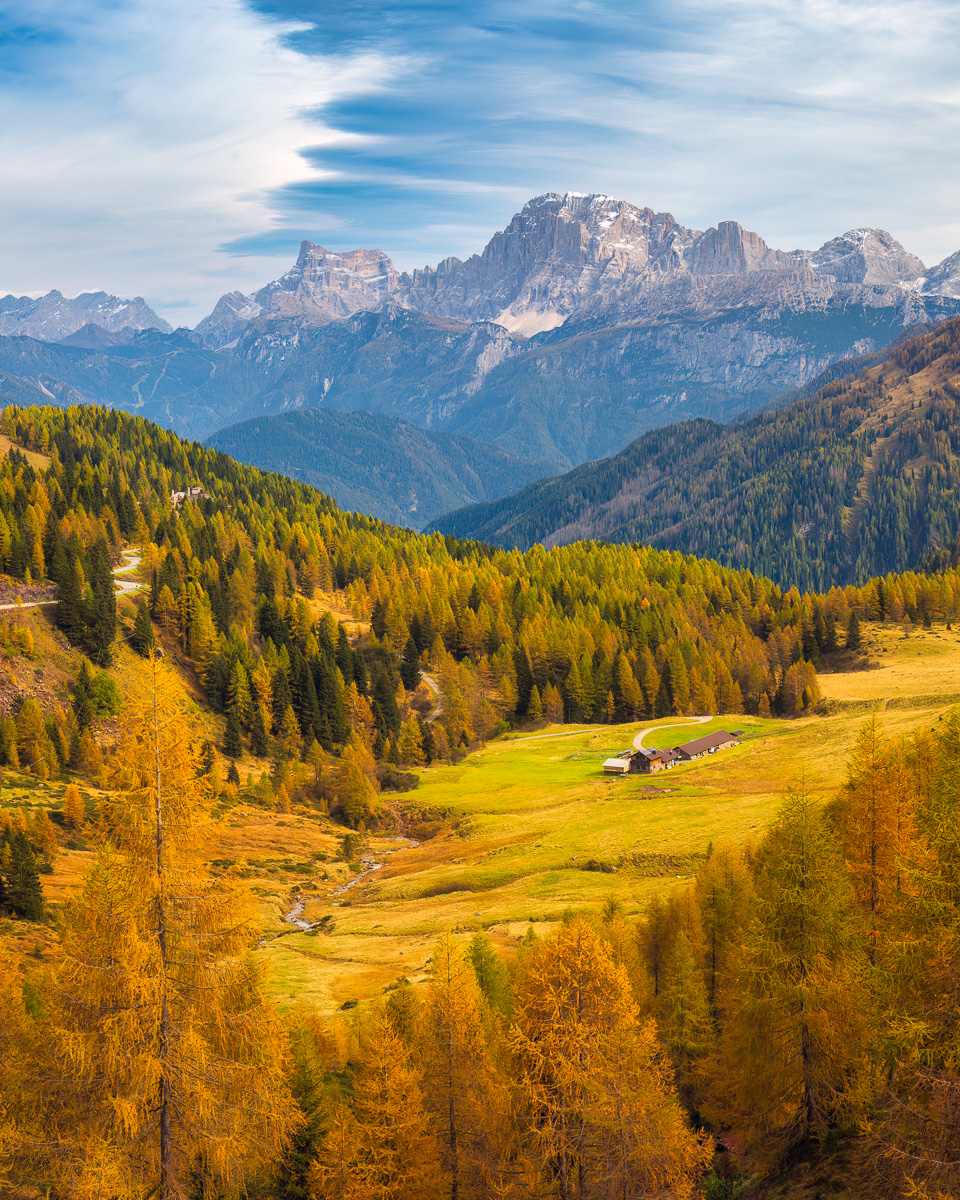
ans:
(705, 745)
(651, 761)
(192, 493)
(629, 762)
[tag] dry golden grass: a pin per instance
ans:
(39, 462)
(535, 811)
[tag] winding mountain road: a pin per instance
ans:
(124, 586)
(638, 740)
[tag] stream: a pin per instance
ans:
(368, 865)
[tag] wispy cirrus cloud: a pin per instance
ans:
(799, 118)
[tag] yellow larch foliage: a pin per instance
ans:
(158, 1050)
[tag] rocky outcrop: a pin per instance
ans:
(321, 286)
(867, 256)
(53, 317)
(944, 279)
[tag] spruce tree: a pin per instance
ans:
(24, 894)
(232, 739)
(410, 665)
(102, 617)
(142, 638)
(68, 614)
(259, 743)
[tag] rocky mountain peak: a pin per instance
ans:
(867, 256)
(944, 279)
(589, 257)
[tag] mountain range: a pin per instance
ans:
(585, 323)
(857, 480)
(53, 317)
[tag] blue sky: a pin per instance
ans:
(183, 149)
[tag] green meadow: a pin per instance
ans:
(532, 827)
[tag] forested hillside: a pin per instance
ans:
(375, 464)
(587, 632)
(793, 993)
(859, 480)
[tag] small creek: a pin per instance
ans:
(368, 865)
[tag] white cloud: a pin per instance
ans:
(138, 137)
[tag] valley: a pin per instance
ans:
(376, 746)
(531, 829)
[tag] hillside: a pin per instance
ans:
(858, 480)
(339, 860)
(374, 464)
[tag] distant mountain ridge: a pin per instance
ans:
(583, 324)
(53, 317)
(589, 257)
(377, 465)
(860, 479)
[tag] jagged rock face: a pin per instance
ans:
(944, 279)
(322, 286)
(53, 316)
(867, 256)
(586, 258)
(328, 285)
(594, 257)
(233, 312)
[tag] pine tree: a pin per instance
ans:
(394, 1155)
(289, 734)
(577, 1039)
(142, 638)
(24, 896)
(74, 812)
(874, 828)
(410, 744)
(460, 1088)
(306, 1076)
(102, 615)
(69, 610)
(259, 743)
(493, 977)
(686, 1026)
(797, 1038)
(410, 665)
(403, 1011)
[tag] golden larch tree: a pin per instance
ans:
(159, 1058)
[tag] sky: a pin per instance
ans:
(179, 150)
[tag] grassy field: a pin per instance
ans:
(530, 825)
(539, 829)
